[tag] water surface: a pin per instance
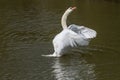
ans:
(27, 28)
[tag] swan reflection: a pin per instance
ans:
(73, 70)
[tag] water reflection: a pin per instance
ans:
(72, 69)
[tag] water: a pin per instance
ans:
(27, 28)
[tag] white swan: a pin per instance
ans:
(71, 36)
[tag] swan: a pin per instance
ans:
(71, 36)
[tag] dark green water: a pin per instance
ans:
(27, 28)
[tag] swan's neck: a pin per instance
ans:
(64, 19)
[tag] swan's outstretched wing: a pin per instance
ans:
(87, 33)
(80, 35)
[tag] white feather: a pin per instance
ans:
(71, 36)
(81, 30)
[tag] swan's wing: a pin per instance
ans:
(87, 33)
(74, 40)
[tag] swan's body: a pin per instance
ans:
(71, 36)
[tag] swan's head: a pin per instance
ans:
(70, 9)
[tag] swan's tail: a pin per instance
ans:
(50, 55)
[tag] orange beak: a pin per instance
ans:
(73, 8)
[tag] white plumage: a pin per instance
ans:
(71, 36)
(87, 33)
